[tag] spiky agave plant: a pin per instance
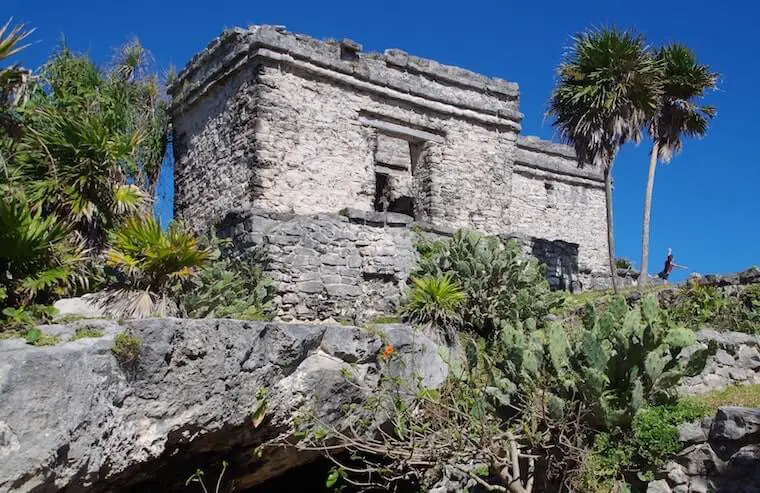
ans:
(435, 302)
(153, 265)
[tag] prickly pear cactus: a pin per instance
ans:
(629, 357)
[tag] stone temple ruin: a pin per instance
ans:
(334, 159)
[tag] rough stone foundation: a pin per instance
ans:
(355, 265)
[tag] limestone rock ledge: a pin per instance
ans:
(74, 418)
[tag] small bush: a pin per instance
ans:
(500, 283)
(623, 263)
(35, 337)
(604, 464)
(126, 347)
(85, 332)
(655, 430)
(697, 304)
(230, 289)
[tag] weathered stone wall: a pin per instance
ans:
(721, 454)
(214, 145)
(736, 362)
(353, 265)
(313, 120)
(328, 265)
(552, 198)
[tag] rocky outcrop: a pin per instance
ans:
(721, 454)
(737, 361)
(74, 417)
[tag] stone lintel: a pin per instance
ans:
(401, 131)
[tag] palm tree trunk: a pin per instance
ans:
(643, 276)
(610, 233)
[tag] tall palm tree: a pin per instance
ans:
(678, 114)
(608, 87)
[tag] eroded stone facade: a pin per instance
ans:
(272, 121)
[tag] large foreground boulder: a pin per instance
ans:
(74, 417)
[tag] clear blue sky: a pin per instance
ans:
(706, 203)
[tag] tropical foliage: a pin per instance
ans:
(679, 114)
(498, 281)
(39, 258)
(152, 264)
(608, 88)
(230, 289)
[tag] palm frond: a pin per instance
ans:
(685, 82)
(608, 86)
(10, 42)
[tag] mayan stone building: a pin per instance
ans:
(329, 156)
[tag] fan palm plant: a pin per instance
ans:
(678, 114)
(38, 257)
(152, 265)
(608, 87)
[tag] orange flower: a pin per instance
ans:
(388, 351)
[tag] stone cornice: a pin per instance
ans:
(555, 158)
(396, 74)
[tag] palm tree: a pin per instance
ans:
(678, 113)
(608, 87)
(13, 79)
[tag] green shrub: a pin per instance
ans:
(623, 263)
(697, 304)
(38, 258)
(500, 283)
(153, 265)
(655, 430)
(604, 465)
(36, 337)
(435, 301)
(22, 318)
(86, 332)
(229, 289)
(741, 311)
(126, 347)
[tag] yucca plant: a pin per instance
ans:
(152, 265)
(435, 302)
(39, 258)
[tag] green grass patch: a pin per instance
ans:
(738, 395)
(386, 319)
(86, 332)
(126, 347)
